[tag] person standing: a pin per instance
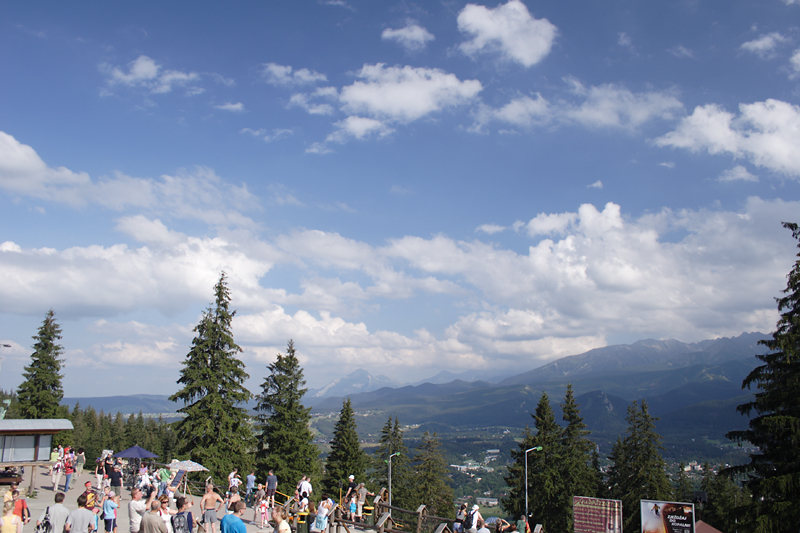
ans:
(250, 484)
(362, 493)
(58, 469)
(80, 461)
(281, 526)
(110, 513)
(272, 488)
(10, 523)
(21, 507)
(151, 521)
(183, 521)
(115, 478)
(57, 514)
(232, 523)
(137, 508)
(81, 520)
(69, 470)
(210, 504)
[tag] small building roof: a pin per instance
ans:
(47, 425)
(702, 527)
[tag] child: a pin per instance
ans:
(110, 513)
(264, 510)
(353, 508)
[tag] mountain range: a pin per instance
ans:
(693, 387)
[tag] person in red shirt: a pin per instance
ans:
(21, 507)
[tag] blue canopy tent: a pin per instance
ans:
(135, 452)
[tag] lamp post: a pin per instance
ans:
(390, 481)
(538, 449)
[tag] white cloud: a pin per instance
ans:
(274, 135)
(412, 37)
(605, 106)
(198, 194)
(681, 51)
(765, 133)
(614, 106)
(405, 94)
(316, 102)
(545, 224)
(667, 164)
(765, 45)
(490, 229)
(625, 40)
(596, 185)
(794, 62)
(144, 72)
(275, 74)
(509, 29)
(238, 107)
(737, 173)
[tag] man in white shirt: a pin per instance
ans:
(137, 507)
(57, 514)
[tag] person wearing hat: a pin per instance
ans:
(351, 488)
(472, 519)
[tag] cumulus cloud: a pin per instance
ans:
(604, 106)
(412, 36)
(737, 173)
(596, 185)
(144, 72)
(765, 133)
(275, 74)
(198, 194)
(508, 30)
(794, 63)
(406, 93)
(765, 45)
(238, 107)
(318, 102)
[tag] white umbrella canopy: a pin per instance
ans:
(189, 466)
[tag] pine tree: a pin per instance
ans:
(724, 496)
(285, 442)
(431, 489)
(544, 475)
(774, 469)
(600, 481)
(216, 431)
(346, 456)
(391, 442)
(638, 471)
(577, 476)
(683, 487)
(40, 394)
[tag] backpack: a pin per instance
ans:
(470, 521)
(180, 524)
(45, 526)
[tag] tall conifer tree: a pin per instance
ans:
(577, 476)
(216, 431)
(391, 442)
(544, 475)
(431, 489)
(346, 457)
(285, 442)
(40, 394)
(774, 469)
(638, 471)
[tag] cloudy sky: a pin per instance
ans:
(398, 186)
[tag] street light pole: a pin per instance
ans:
(538, 449)
(390, 480)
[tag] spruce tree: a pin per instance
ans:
(216, 431)
(545, 488)
(638, 471)
(391, 442)
(774, 469)
(724, 499)
(285, 441)
(40, 394)
(430, 485)
(577, 477)
(683, 487)
(346, 456)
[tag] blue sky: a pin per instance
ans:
(402, 187)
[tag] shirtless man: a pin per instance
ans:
(210, 504)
